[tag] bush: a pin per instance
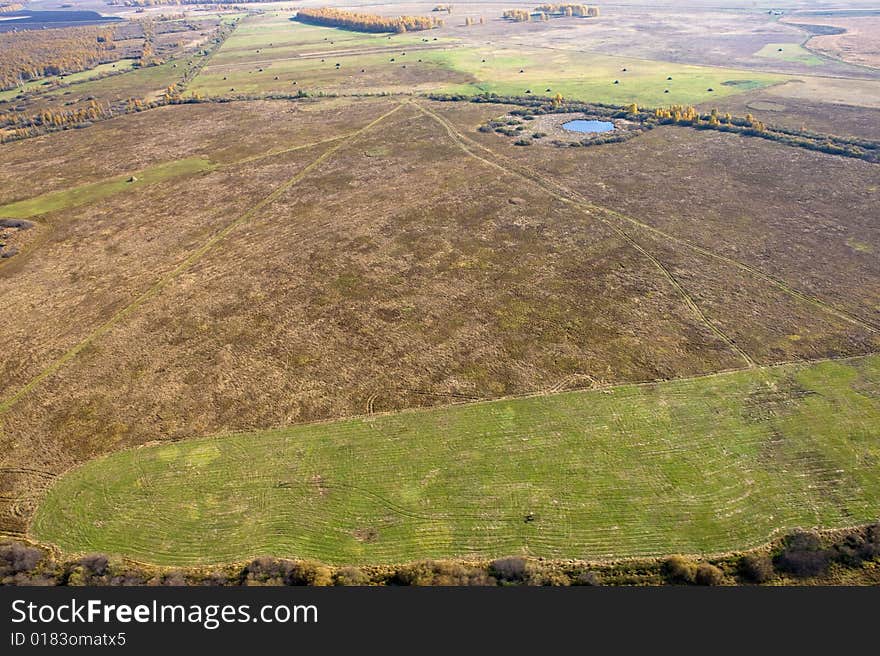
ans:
(94, 564)
(309, 573)
(587, 578)
(858, 547)
(538, 574)
(431, 572)
(17, 557)
(678, 569)
(509, 570)
(802, 555)
(757, 568)
(708, 574)
(351, 576)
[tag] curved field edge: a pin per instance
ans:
(705, 465)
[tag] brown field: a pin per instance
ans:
(797, 113)
(397, 263)
(857, 45)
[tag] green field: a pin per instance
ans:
(59, 200)
(591, 77)
(701, 465)
(267, 54)
(791, 52)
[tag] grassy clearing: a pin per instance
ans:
(791, 52)
(59, 200)
(700, 465)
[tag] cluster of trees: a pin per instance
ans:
(544, 12)
(7, 7)
(366, 22)
(569, 10)
(688, 115)
(853, 553)
(32, 54)
(19, 126)
(518, 15)
(468, 21)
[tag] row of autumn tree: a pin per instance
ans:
(32, 54)
(544, 12)
(19, 126)
(366, 22)
(7, 7)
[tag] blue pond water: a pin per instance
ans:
(588, 126)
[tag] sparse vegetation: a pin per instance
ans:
(22, 564)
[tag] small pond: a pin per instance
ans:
(588, 126)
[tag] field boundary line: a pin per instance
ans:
(577, 199)
(192, 259)
(664, 270)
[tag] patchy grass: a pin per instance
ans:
(694, 466)
(790, 52)
(59, 200)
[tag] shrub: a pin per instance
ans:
(538, 574)
(431, 572)
(509, 570)
(678, 569)
(307, 572)
(351, 576)
(708, 574)
(802, 555)
(587, 578)
(17, 557)
(94, 564)
(757, 568)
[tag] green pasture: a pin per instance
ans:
(594, 77)
(59, 200)
(694, 466)
(790, 52)
(268, 47)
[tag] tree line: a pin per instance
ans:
(546, 11)
(7, 7)
(366, 22)
(32, 54)
(569, 10)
